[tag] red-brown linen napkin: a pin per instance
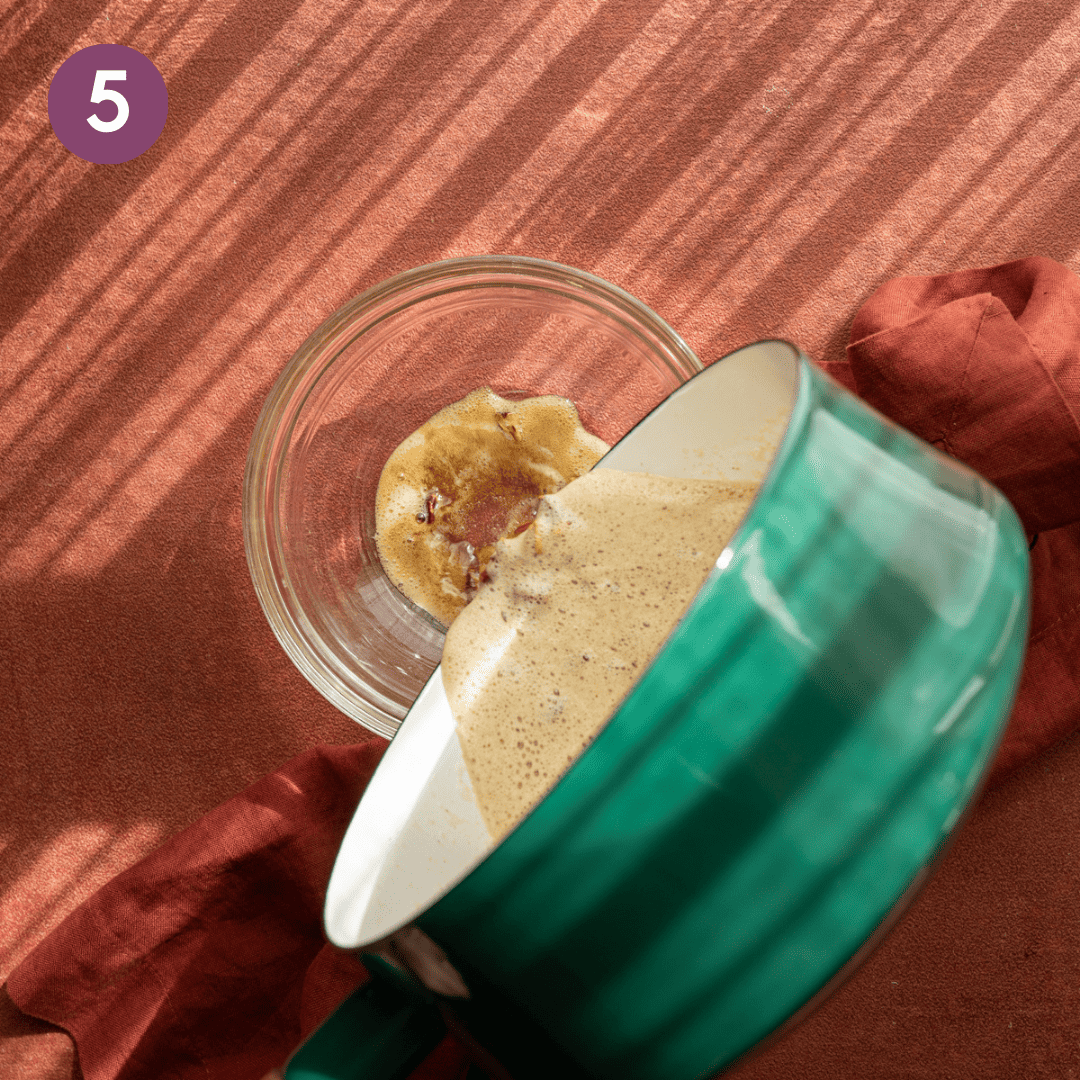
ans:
(207, 960)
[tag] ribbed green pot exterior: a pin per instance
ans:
(792, 761)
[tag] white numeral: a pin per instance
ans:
(100, 94)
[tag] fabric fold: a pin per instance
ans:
(207, 958)
(983, 364)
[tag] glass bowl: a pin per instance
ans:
(763, 804)
(370, 375)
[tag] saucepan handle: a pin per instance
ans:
(382, 1031)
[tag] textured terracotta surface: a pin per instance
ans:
(746, 169)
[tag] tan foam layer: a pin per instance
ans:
(575, 608)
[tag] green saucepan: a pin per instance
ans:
(762, 805)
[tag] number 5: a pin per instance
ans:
(99, 94)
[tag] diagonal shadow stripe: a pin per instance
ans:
(335, 151)
(718, 248)
(246, 250)
(41, 47)
(972, 84)
(643, 186)
(198, 85)
(197, 235)
(480, 175)
(35, 146)
(633, 185)
(725, 243)
(1056, 227)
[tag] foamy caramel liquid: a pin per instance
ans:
(576, 607)
(473, 474)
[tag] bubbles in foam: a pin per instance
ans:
(578, 647)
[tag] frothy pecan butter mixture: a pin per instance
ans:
(472, 475)
(575, 608)
(573, 579)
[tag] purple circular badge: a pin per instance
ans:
(108, 103)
